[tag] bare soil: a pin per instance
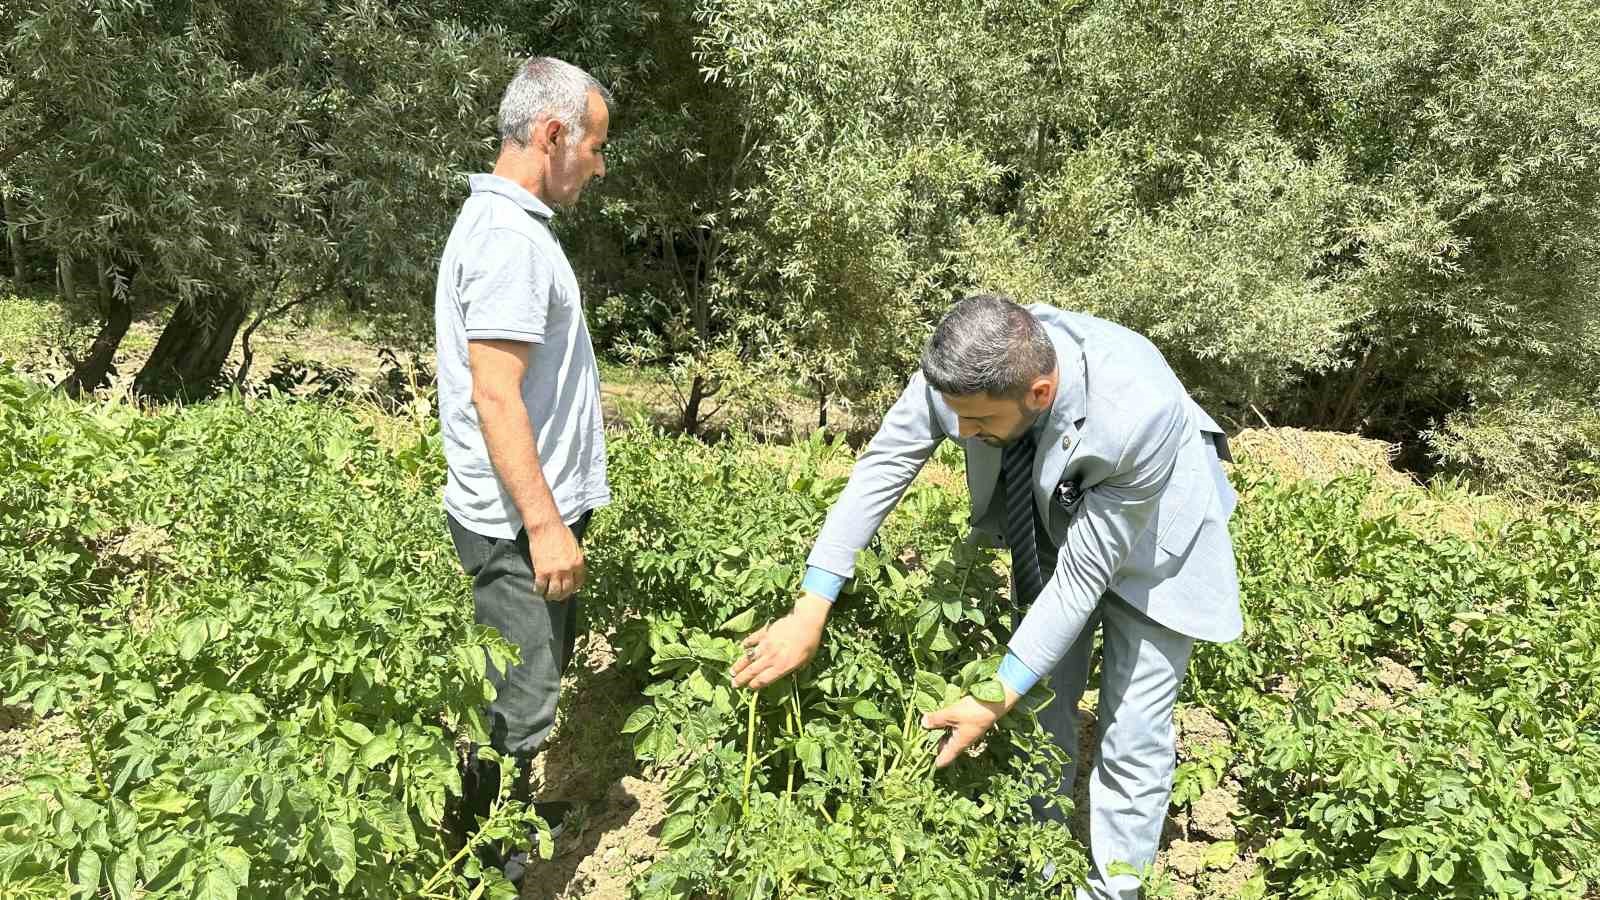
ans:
(614, 834)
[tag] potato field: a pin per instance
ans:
(244, 645)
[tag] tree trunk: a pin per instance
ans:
(822, 406)
(14, 235)
(94, 370)
(69, 280)
(1344, 417)
(103, 280)
(189, 355)
(690, 423)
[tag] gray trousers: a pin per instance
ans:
(1130, 787)
(524, 708)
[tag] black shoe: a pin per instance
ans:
(554, 813)
(515, 864)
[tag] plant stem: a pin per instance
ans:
(794, 696)
(788, 790)
(749, 750)
(94, 754)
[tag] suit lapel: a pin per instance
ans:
(1058, 439)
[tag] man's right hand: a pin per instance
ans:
(784, 645)
(557, 561)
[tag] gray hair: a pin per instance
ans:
(987, 344)
(546, 87)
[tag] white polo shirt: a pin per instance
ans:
(504, 276)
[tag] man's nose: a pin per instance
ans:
(966, 429)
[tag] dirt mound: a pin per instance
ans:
(1320, 455)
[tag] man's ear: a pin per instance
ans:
(1041, 392)
(549, 132)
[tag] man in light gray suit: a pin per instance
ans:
(1088, 457)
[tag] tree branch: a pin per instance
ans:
(40, 135)
(247, 355)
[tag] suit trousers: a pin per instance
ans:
(1130, 786)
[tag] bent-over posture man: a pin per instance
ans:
(1088, 456)
(519, 400)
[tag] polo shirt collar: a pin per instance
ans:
(516, 193)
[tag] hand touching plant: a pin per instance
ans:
(783, 645)
(966, 720)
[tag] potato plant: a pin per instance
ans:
(250, 621)
(1414, 713)
(248, 618)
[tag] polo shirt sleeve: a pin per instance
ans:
(504, 288)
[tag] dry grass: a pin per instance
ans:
(1443, 507)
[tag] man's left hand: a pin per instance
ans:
(966, 720)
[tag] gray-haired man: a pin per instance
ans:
(1086, 454)
(519, 403)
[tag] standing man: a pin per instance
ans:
(519, 403)
(1088, 456)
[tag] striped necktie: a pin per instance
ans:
(1017, 465)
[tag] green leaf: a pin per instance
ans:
(84, 812)
(676, 827)
(227, 789)
(989, 691)
(699, 686)
(472, 658)
(216, 884)
(124, 875)
(430, 804)
(86, 868)
(355, 732)
(868, 710)
(1221, 855)
(639, 719)
(163, 799)
(1400, 864)
(192, 637)
(809, 751)
(44, 701)
(740, 623)
(1489, 861)
(237, 862)
(339, 847)
(378, 751)
(1445, 871)
(1553, 819)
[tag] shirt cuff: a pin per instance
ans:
(823, 583)
(1015, 674)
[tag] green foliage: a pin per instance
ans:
(251, 616)
(821, 785)
(1353, 215)
(1538, 446)
(1413, 715)
(268, 698)
(241, 156)
(1410, 716)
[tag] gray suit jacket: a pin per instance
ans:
(1152, 524)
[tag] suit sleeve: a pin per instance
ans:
(908, 436)
(1115, 514)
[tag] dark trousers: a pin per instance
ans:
(544, 632)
